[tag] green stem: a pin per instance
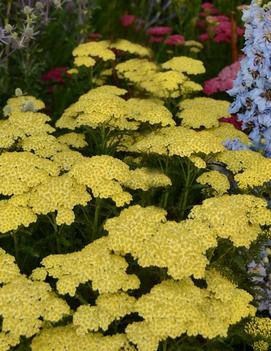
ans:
(16, 246)
(165, 345)
(52, 220)
(95, 226)
(184, 197)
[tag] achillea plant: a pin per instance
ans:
(127, 253)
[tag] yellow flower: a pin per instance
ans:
(66, 338)
(94, 263)
(75, 140)
(202, 112)
(132, 48)
(109, 307)
(84, 61)
(218, 181)
(185, 64)
(59, 194)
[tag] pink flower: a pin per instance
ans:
(207, 6)
(224, 80)
(204, 37)
(208, 9)
(222, 18)
(56, 75)
(156, 39)
(201, 23)
(162, 30)
(127, 20)
(175, 39)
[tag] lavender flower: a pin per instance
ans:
(252, 87)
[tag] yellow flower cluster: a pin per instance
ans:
(20, 171)
(184, 64)
(236, 217)
(146, 178)
(94, 263)
(109, 307)
(259, 328)
(178, 141)
(131, 48)
(153, 241)
(202, 112)
(86, 53)
(208, 312)
(260, 345)
(66, 338)
(12, 216)
(23, 103)
(59, 194)
(228, 131)
(20, 125)
(149, 111)
(136, 70)
(250, 168)
(150, 77)
(75, 140)
(217, 180)
(103, 106)
(104, 175)
(25, 304)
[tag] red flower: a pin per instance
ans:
(162, 30)
(56, 74)
(232, 120)
(127, 20)
(94, 36)
(175, 39)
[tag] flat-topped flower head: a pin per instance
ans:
(59, 194)
(12, 216)
(202, 112)
(235, 217)
(21, 171)
(184, 64)
(66, 338)
(216, 180)
(250, 169)
(94, 49)
(208, 312)
(153, 241)
(95, 263)
(149, 111)
(76, 140)
(104, 175)
(108, 308)
(23, 103)
(131, 48)
(179, 141)
(25, 304)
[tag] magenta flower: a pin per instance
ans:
(155, 39)
(175, 39)
(158, 31)
(127, 20)
(204, 37)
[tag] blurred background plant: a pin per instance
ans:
(33, 39)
